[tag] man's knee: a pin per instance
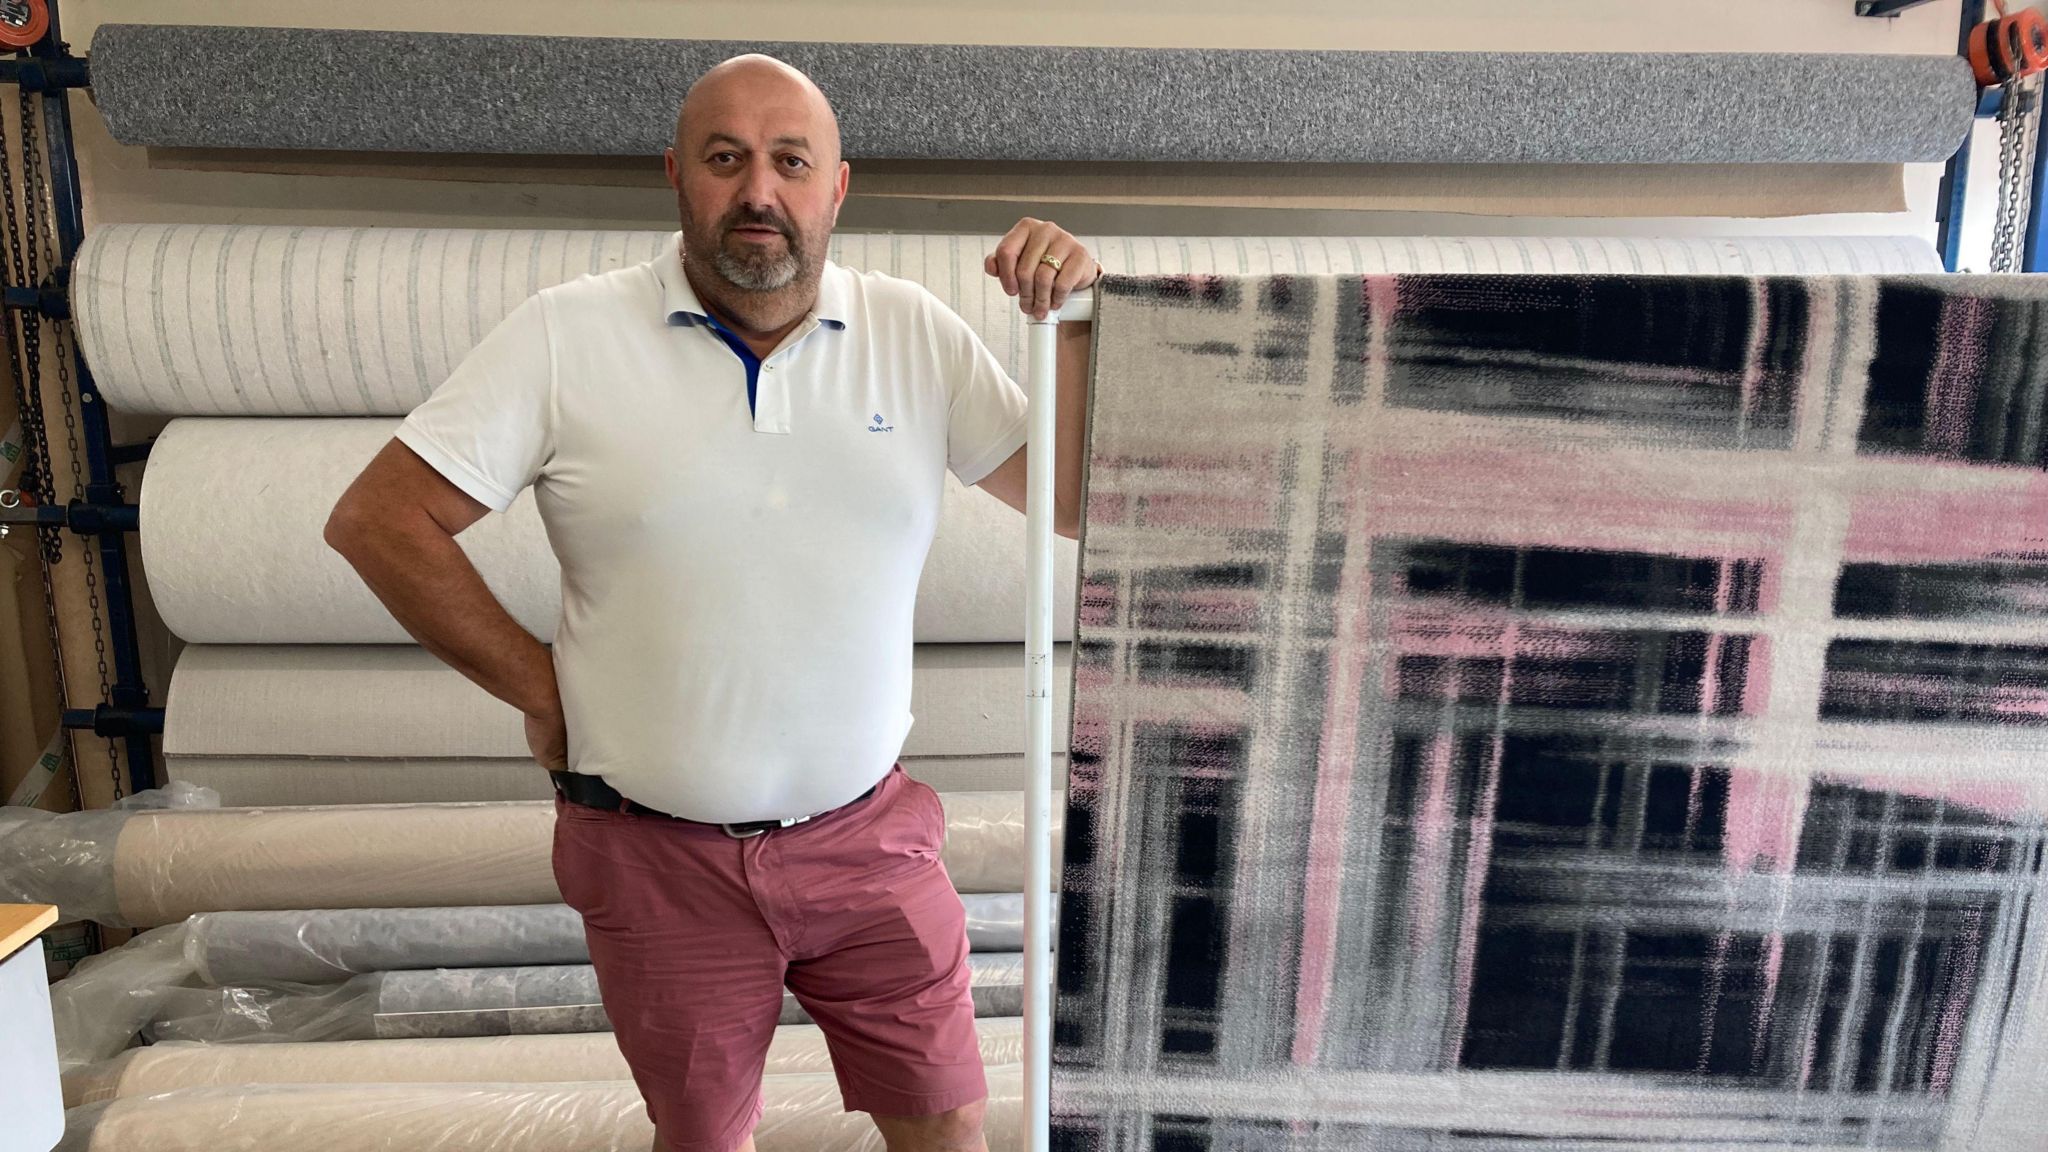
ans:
(956, 1131)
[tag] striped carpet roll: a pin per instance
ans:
(275, 320)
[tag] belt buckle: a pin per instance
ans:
(761, 827)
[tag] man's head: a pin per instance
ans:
(757, 175)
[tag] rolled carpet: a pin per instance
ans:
(236, 555)
(564, 1057)
(283, 320)
(462, 1002)
(145, 868)
(803, 1115)
(322, 946)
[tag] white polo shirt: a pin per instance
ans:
(737, 589)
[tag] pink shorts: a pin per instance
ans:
(694, 936)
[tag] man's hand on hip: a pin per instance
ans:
(547, 737)
(1040, 263)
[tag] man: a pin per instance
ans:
(738, 450)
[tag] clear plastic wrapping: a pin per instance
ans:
(67, 858)
(323, 946)
(450, 1002)
(797, 1048)
(803, 1115)
(387, 972)
(109, 998)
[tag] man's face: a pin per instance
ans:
(758, 184)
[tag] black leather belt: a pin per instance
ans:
(592, 792)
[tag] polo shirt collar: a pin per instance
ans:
(680, 305)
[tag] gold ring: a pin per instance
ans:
(1049, 258)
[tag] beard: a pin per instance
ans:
(756, 267)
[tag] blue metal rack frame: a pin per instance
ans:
(1951, 202)
(103, 516)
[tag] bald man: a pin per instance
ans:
(738, 450)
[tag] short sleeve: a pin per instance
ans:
(986, 412)
(489, 428)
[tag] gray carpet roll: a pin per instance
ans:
(443, 1002)
(200, 86)
(316, 947)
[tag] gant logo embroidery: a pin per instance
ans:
(878, 426)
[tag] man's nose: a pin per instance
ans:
(758, 188)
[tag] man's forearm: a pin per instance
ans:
(430, 587)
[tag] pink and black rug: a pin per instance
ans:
(1588, 712)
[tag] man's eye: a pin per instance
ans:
(794, 162)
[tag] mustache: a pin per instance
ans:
(748, 218)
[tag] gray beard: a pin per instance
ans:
(762, 275)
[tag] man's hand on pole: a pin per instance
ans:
(1041, 263)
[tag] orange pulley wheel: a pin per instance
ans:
(2009, 47)
(23, 22)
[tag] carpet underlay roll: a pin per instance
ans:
(235, 553)
(549, 1057)
(1561, 711)
(454, 1002)
(271, 320)
(271, 781)
(227, 87)
(313, 947)
(147, 868)
(391, 701)
(803, 1115)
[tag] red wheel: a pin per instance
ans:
(23, 22)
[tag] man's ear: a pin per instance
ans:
(668, 164)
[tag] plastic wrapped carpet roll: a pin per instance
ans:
(274, 320)
(446, 1002)
(803, 1115)
(313, 947)
(167, 1067)
(249, 701)
(167, 865)
(233, 511)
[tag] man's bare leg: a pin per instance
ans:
(661, 1147)
(955, 1131)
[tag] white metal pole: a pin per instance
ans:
(1042, 389)
(1038, 511)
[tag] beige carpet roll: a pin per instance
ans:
(803, 1115)
(283, 320)
(390, 723)
(171, 864)
(232, 513)
(269, 781)
(798, 1049)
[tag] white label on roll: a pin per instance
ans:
(39, 776)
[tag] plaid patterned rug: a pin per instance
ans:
(1587, 712)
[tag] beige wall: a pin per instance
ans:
(1477, 25)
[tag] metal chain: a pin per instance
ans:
(2019, 114)
(24, 345)
(35, 476)
(41, 259)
